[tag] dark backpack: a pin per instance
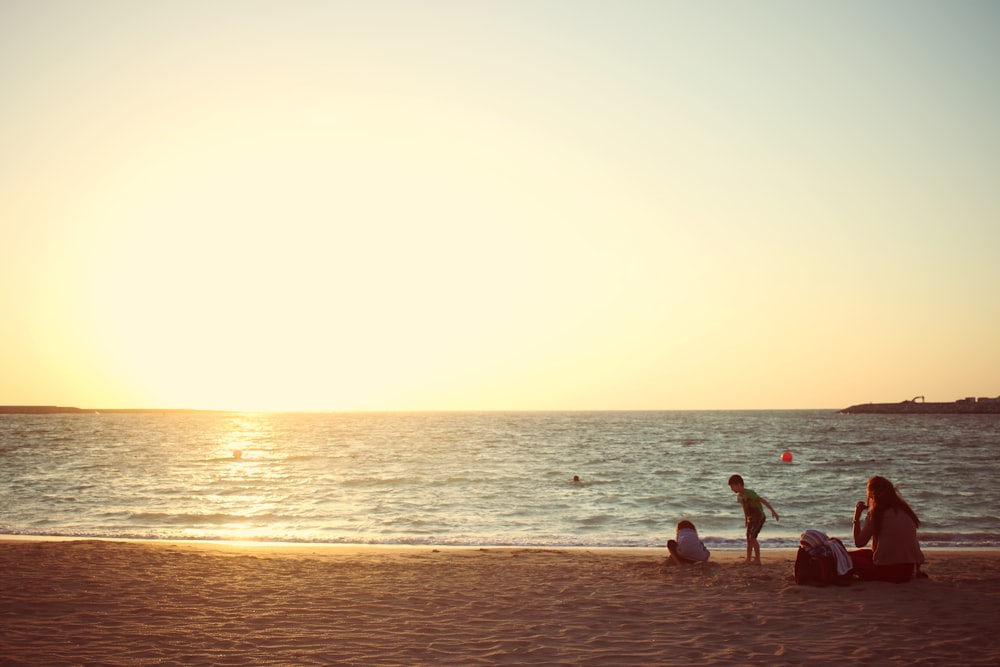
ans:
(817, 569)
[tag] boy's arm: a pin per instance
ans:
(768, 506)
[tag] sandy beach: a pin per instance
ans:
(176, 603)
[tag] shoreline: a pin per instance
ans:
(329, 548)
(144, 602)
(734, 546)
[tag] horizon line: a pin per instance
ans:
(57, 409)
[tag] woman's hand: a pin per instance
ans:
(858, 509)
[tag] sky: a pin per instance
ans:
(498, 205)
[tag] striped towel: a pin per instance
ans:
(844, 563)
(819, 541)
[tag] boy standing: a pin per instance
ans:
(753, 512)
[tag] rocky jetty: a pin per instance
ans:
(918, 406)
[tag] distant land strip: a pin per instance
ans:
(61, 410)
(976, 406)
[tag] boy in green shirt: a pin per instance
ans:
(753, 513)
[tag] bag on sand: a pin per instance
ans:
(816, 562)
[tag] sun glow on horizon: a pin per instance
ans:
(496, 207)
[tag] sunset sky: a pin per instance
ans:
(523, 205)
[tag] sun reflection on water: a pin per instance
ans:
(242, 493)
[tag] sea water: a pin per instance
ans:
(491, 478)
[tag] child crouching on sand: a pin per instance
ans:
(753, 513)
(688, 547)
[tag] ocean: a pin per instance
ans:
(489, 478)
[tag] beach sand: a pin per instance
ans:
(177, 603)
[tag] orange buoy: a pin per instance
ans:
(786, 457)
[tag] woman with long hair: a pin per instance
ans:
(891, 525)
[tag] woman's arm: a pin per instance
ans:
(862, 529)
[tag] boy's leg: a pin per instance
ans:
(753, 546)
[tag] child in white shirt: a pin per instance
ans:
(688, 547)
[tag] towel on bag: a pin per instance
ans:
(820, 544)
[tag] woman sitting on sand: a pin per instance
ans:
(891, 525)
(688, 547)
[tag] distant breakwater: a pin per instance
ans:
(915, 406)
